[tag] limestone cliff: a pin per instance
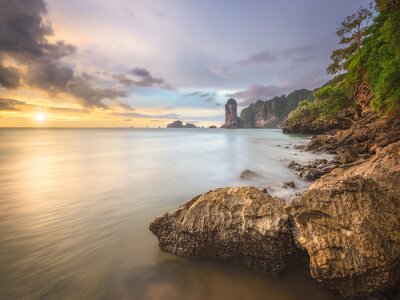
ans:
(231, 118)
(272, 113)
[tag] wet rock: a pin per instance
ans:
(288, 184)
(249, 174)
(313, 170)
(241, 224)
(348, 222)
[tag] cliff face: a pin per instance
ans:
(272, 113)
(231, 118)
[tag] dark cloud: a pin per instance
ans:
(257, 92)
(141, 77)
(9, 77)
(221, 71)
(23, 33)
(264, 56)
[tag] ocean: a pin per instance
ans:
(75, 205)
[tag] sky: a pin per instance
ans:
(145, 63)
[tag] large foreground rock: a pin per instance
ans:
(241, 224)
(349, 223)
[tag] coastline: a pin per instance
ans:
(337, 213)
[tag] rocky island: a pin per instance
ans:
(179, 124)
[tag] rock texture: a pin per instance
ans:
(231, 119)
(349, 223)
(360, 141)
(272, 113)
(241, 224)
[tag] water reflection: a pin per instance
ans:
(75, 207)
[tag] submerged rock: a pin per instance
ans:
(289, 184)
(349, 223)
(241, 224)
(249, 174)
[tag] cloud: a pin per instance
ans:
(9, 77)
(264, 56)
(297, 54)
(221, 71)
(23, 36)
(147, 116)
(141, 77)
(9, 104)
(209, 98)
(257, 92)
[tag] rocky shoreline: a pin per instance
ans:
(347, 221)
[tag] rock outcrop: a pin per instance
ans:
(312, 124)
(349, 223)
(179, 124)
(272, 113)
(240, 224)
(232, 121)
(360, 141)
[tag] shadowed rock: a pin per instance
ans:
(241, 224)
(349, 223)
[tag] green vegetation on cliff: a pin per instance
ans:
(368, 65)
(378, 60)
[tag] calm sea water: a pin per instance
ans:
(75, 205)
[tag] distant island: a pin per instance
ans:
(179, 124)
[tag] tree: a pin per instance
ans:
(351, 33)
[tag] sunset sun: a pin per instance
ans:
(40, 117)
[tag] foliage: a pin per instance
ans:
(331, 100)
(328, 102)
(305, 110)
(351, 34)
(379, 60)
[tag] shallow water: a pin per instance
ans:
(75, 205)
